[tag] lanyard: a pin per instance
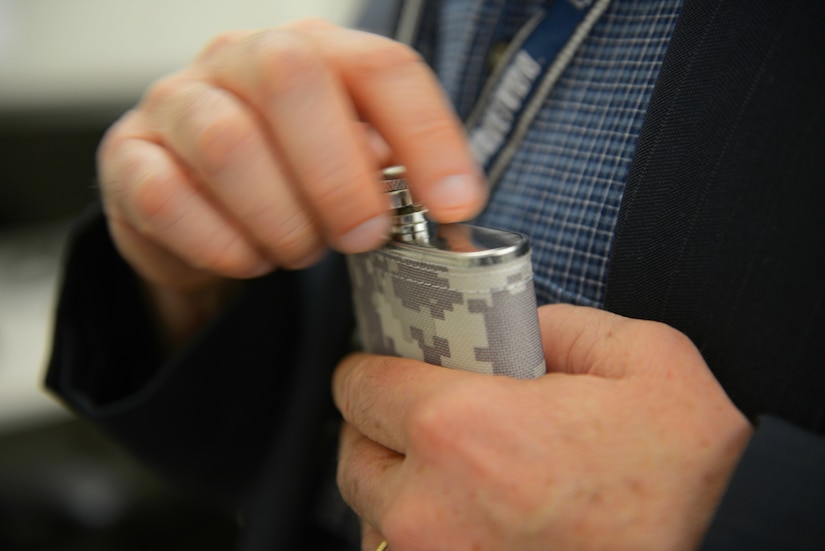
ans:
(532, 65)
(530, 68)
(409, 21)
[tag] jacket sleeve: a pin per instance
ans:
(776, 498)
(214, 416)
(205, 417)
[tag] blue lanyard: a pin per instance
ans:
(531, 67)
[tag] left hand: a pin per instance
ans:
(627, 443)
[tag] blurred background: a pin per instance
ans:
(68, 68)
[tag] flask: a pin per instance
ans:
(455, 295)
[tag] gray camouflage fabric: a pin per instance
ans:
(480, 319)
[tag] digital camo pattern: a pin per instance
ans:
(480, 319)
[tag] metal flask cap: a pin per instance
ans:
(394, 184)
(409, 221)
(461, 245)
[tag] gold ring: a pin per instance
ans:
(383, 547)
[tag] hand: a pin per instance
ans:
(266, 150)
(627, 443)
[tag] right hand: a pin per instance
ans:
(265, 151)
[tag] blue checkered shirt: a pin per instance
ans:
(564, 186)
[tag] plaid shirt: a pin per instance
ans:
(564, 186)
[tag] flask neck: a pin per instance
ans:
(409, 218)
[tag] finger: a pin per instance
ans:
(312, 122)
(218, 136)
(145, 188)
(380, 148)
(367, 474)
(394, 89)
(384, 397)
(581, 340)
(385, 83)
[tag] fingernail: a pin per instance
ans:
(367, 236)
(456, 193)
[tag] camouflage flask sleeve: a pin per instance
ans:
(454, 295)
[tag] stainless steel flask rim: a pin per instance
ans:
(456, 245)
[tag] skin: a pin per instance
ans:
(265, 152)
(627, 443)
(262, 155)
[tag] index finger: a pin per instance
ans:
(394, 89)
(379, 395)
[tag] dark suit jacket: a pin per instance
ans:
(721, 235)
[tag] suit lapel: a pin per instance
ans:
(720, 229)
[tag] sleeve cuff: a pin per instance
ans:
(776, 497)
(104, 347)
(203, 417)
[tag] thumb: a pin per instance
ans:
(585, 341)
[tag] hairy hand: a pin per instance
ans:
(626, 443)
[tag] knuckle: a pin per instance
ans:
(162, 93)
(350, 382)
(360, 384)
(645, 330)
(671, 338)
(428, 128)
(220, 138)
(429, 423)
(113, 169)
(152, 201)
(343, 211)
(294, 238)
(344, 202)
(379, 55)
(344, 479)
(220, 43)
(659, 337)
(288, 59)
(113, 136)
(114, 186)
